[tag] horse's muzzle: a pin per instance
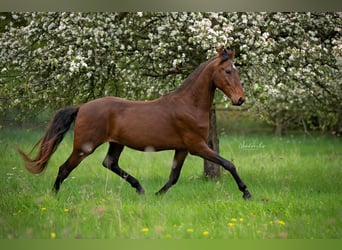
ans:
(239, 102)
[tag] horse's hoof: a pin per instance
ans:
(141, 191)
(246, 195)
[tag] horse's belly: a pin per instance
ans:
(148, 138)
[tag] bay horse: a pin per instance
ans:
(176, 121)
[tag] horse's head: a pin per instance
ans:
(226, 76)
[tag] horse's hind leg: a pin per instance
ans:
(177, 164)
(64, 170)
(112, 162)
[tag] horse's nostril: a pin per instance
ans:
(241, 100)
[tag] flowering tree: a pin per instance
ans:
(297, 78)
(290, 63)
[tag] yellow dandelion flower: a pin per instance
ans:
(271, 222)
(43, 209)
(66, 210)
(53, 235)
(233, 220)
(231, 225)
(241, 219)
(144, 230)
(280, 222)
(205, 233)
(190, 230)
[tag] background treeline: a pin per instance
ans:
(289, 63)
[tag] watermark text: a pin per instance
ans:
(254, 145)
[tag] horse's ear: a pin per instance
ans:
(223, 53)
(231, 53)
(221, 50)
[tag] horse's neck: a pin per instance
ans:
(199, 91)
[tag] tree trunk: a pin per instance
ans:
(212, 170)
(278, 126)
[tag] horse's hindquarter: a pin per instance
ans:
(92, 122)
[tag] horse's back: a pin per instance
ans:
(137, 124)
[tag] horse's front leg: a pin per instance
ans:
(231, 168)
(205, 152)
(176, 168)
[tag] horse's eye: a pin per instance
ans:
(228, 71)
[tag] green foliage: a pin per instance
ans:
(290, 63)
(295, 182)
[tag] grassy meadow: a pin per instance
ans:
(295, 182)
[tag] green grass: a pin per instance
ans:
(295, 183)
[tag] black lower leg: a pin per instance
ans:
(242, 186)
(129, 178)
(74, 159)
(63, 173)
(176, 168)
(111, 162)
(172, 180)
(56, 185)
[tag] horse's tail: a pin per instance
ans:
(51, 139)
